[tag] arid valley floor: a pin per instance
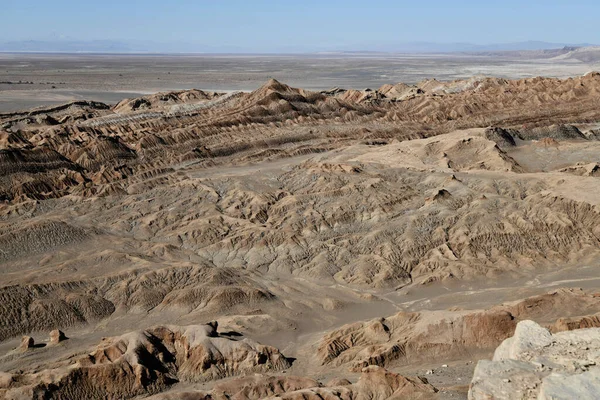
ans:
(254, 241)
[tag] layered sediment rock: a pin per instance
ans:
(442, 335)
(146, 362)
(374, 384)
(276, 120)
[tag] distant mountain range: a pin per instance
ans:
(106, 46)
(116, 46)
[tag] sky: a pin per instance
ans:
(311, 25)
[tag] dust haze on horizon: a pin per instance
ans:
(274, 27)
(123, 46)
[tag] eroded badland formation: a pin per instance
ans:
(292, 244)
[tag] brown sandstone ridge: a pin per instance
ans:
(581, 169)
(182, 290)
(375, 383)
(55, 115)
(145, 362)
(110, 148)
(438, 336)
(162, 100)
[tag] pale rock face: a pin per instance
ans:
(535, 364)
(528, 336)
(585, 386)
(504, 380)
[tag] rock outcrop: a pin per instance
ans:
(57, 336)
(582, 169)
(556, 132)
(374, 384)
(536, 364)
(158, 101)
(27, 343)
(441, 335)
(146, 362)
(504, 138)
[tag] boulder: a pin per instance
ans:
(57, 336)
(528, 336)
(536, 364)
(27, 343)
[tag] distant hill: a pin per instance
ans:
(431, 47)
(66, 46)
(584, 54)
(109, 46)
(137, 46)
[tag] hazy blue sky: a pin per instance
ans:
(259, 25)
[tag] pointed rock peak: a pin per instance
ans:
(275, 85)
(453, 178)
(271, 91)
(401, 85)
(333, 91)
(442, 194)
(271, 88)
(385, 88)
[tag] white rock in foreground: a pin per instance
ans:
(535, 364)
(528, 337)
(582, 386)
